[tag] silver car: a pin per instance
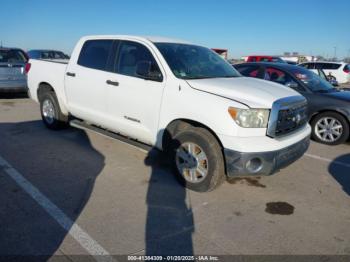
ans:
(12, 70)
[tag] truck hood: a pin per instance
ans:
(255, 93)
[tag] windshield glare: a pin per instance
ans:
(312, 80)
(195, 62)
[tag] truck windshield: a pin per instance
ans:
(195, 62)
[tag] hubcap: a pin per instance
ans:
(328, 129)
(192, 162)
(48, 111)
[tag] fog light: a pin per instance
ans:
(254, 165)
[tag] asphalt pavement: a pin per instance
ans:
(74, 192)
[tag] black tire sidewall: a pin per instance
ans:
(344, 137)
(56, 123)
(214, 155)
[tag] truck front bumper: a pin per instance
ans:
(263, 163)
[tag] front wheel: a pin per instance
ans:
(198, 159)
(330, 128)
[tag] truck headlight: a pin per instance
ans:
(250, 118)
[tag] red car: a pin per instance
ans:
(264, 58)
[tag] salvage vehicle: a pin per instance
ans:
(329, 108)
(12, 70)
(177, 97)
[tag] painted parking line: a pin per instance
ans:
(73, 229)
(328, 160)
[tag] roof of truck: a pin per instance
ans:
(154, 39)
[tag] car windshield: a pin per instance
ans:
(312, 80)
(195, 62)
(12, 56)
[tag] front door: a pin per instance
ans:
(134, 102)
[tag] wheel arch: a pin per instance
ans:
(176, 125)
(44, 87)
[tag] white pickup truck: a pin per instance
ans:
(178, 97)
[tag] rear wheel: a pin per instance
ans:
(330, 128)
(198, 159)
(51, 113)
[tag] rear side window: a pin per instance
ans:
(94, 54)
(328, 66)
(249, 71)
(12, 56)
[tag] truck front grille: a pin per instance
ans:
(287, 115)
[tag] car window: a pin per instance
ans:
(309, 65)
(252, 59)
(264, 59)
(280, 77)
(94, 54)
(130, 55)
(249, 71)
(12, 56)
(328, 66)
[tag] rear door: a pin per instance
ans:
(134, 103)
(85, 81)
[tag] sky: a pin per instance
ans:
(310, 27)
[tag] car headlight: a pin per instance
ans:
(250, 118)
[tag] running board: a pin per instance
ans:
(131, 142)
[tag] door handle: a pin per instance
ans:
(113, 83)
(70, 74)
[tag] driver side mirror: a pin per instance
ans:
(292, 84)
(143, 70)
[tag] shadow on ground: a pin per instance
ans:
(62, 165)
(13, 95)
(169, 225)
(340, 170)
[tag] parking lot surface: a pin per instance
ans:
(74, 192)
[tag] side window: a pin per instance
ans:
(280, 77)
(249, 71)
(132, 55)
(264, 59)
(94, 54)
(336, 66)
(252, 59)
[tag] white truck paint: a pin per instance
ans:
(143, 109)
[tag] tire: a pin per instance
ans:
(199, 140)
(325, 135)
(51, 113)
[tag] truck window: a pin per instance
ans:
(132, 53)
(94, 54)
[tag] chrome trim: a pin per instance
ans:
(282, 104)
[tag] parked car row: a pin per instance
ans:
(328, 107)
(13, 66)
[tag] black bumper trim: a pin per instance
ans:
(271, 161)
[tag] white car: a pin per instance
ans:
(177, 97)
(340, 70)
